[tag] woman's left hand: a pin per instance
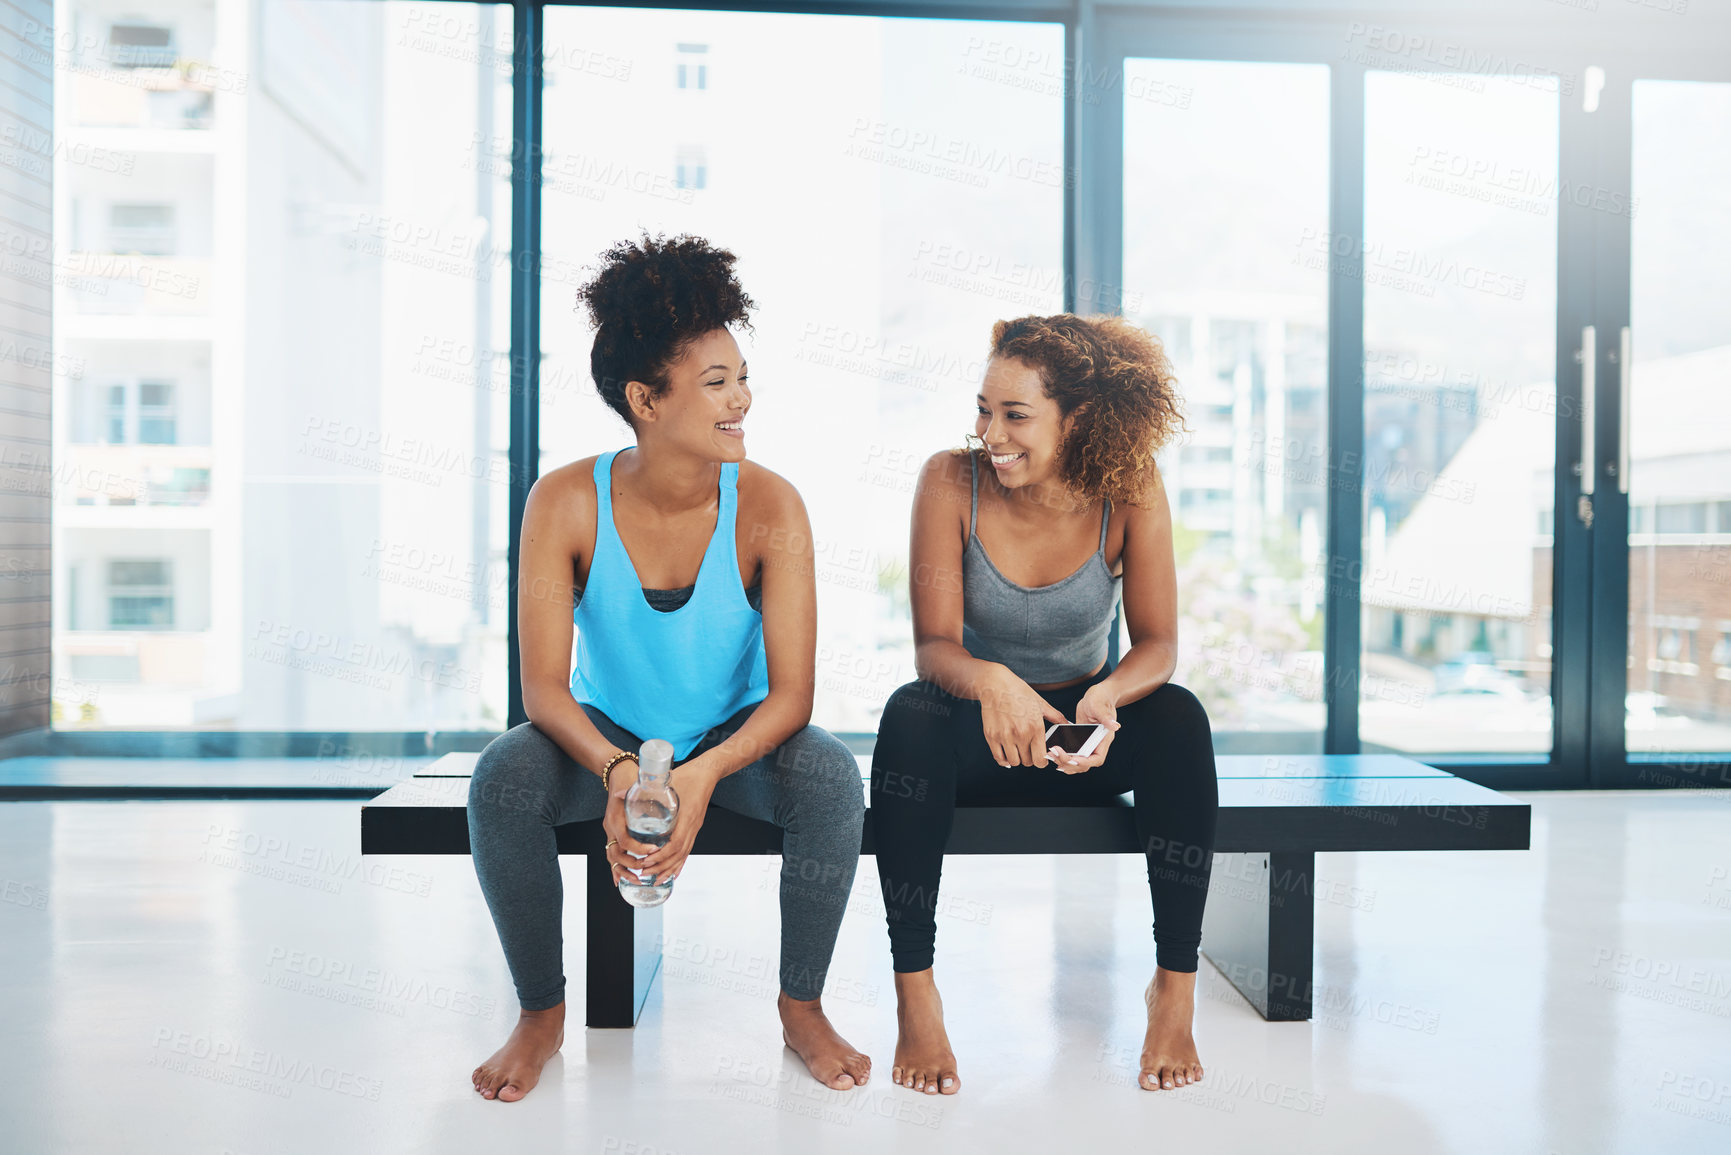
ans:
(1099, 705)
(694, 784)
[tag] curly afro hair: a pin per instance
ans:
(1117, 381)
(649, 301)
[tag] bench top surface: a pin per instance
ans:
(1383, 781)
(462, 765)
(1296, 803)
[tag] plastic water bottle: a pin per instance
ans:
(651, 809)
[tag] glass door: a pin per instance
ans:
(1664, 441)
(1358, 264)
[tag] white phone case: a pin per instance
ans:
(1088, 746)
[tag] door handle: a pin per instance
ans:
(1589, 354)
(1624, 374)
(1586, 465)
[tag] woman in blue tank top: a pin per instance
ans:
(685, 572)
(1027, 541)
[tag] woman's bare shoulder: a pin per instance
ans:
(1152, 503)
(945, 487)
(768, 495)
(565, 496)
(946, 473)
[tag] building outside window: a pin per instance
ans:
(690, 169)
(693, 66)
(140, 594)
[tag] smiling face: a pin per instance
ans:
(1021, 426)
(703, 409)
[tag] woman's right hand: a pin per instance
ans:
(625, 851)
(1014, 717)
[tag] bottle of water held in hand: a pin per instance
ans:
(651, 808)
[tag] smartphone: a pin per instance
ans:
(1075, 738)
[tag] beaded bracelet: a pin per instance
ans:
(612, 762)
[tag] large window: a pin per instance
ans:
(1459, 265)
(1231, 281)
(891, 187)
(1679, 693)
(284, 285)
(282, 292)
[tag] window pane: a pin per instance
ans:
(891, 187)
(1679, 696)
(1224, 274)
(1459, 265)
(286, 416)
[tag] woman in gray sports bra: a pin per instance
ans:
(1071, 411)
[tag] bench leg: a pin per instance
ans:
(623, 951)
(1259, 929)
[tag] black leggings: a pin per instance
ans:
(931, 756)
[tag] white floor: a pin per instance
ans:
(230, 977)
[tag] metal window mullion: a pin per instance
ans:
(1608, 661)
(525, 441)
(1571, 539)
(1343, 557)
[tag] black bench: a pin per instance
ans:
(1276, 813)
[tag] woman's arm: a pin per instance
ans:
(558, 521)
(936, 540)
(1150, 603)
(1151, 612)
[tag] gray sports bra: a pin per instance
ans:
(1044, 634)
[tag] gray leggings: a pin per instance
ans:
(525, 784)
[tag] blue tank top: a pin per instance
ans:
(667, 674)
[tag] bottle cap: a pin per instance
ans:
(655, 756)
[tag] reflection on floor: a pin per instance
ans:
(230, 977)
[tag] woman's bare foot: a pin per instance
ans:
(515, 1068)
(1169, 1056)
(831, 1060)
(924, 1061)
